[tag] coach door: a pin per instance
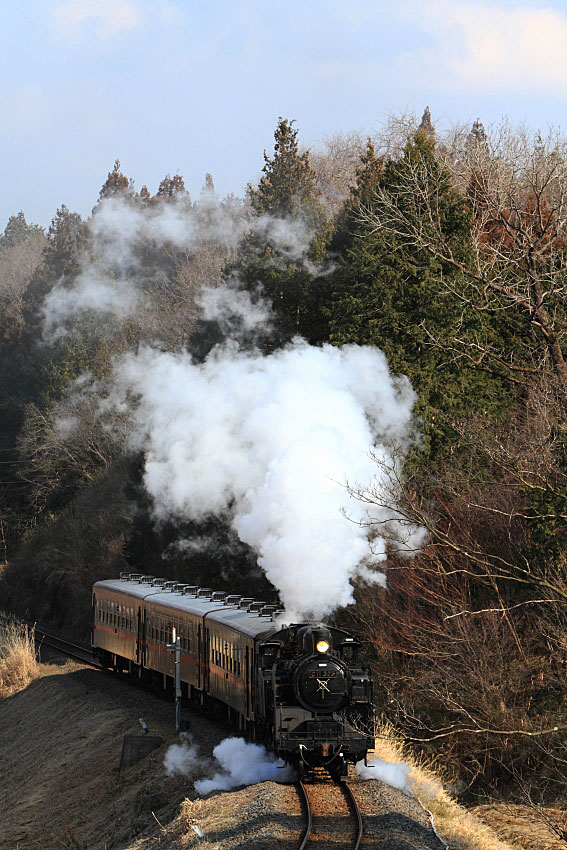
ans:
(93, 620)
(207, 666)
(247, 681)
(199, 656)
(140, 641)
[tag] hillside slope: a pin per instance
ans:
(60, 745)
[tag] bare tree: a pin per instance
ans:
(470, 635)
(18, 262)
(335, 164)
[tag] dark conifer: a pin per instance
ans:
(172, 188)
(426, 124)
(116, 183)
(287, 190)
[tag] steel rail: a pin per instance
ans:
(307, 832)
(352, 800)
(46, 637)
(353, 807)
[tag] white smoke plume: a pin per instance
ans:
(239, 763)
(119, 225)
(272, 440)
(89, 292)
(396, 775)
(227, 304)
(117, 284)
(182, 758)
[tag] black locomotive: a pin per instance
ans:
(299, 688)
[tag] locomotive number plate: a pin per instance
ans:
(322, 674)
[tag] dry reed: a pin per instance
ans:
(18, 658)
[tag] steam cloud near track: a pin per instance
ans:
(235, 763)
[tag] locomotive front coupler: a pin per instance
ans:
(326, 761)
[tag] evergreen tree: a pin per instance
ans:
(18, 230)
(368, 176)
(172, 188)
(287, 186)
(287, 193)
(426, 127)
(67, 239)
(116, 183)
(388, 295)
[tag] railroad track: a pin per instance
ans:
(332, 813)
(47, 637)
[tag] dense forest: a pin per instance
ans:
(448, 252)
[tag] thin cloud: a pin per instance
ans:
(76, 19)
(484, 47)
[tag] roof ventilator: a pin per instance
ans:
(218, 596)
(256, 607)
(191, 589)
(245, 601)
(204, 593)
(267, 610)
(232, 600)
(135, 576)
(170, 585)
(147, 579)
(158, 582)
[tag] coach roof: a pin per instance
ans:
(232, 617)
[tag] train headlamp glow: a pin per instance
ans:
(322, 646)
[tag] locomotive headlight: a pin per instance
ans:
(322, 646)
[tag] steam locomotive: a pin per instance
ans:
(300, 688)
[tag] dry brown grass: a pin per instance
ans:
(18, 658)
(461, 829)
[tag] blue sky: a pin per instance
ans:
(193, 86)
